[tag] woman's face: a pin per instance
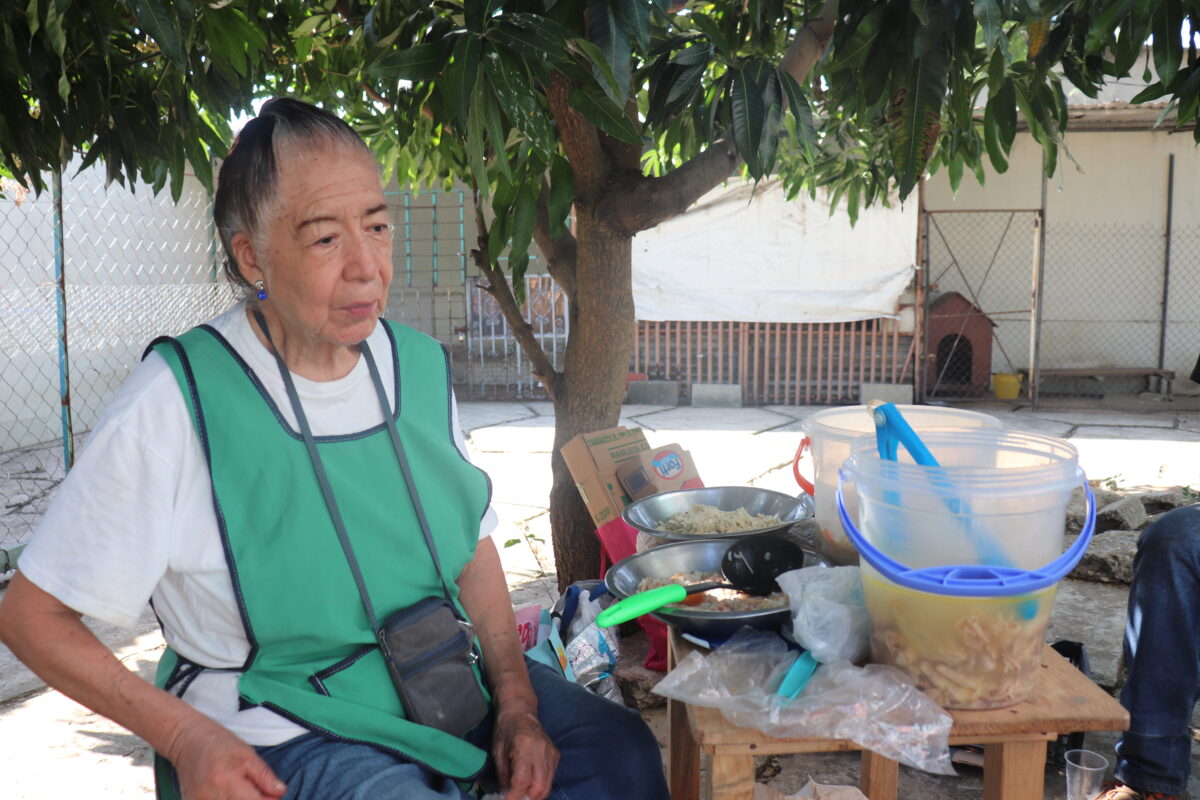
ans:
(325, 256)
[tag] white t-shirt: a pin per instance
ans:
(133, 520)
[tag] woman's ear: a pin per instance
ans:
(247, 258)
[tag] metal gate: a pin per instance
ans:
(990, 259)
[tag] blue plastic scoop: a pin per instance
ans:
(892, 430)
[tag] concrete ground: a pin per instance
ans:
(50, 747)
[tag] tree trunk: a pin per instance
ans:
(597, 362)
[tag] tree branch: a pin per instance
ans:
(559, 253)
(642, 203)
(499, 288)
(810, 43)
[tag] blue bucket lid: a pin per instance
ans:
(971, 580)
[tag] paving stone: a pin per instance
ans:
(1109, 558)
(1162, 501)
(1125, 514)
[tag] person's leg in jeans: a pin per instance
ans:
(607, 751)
(1162, 654)
(316, 768)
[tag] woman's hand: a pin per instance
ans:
(213, 764)
(525, 757)
(52, 641)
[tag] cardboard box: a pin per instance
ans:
(661, 469)
(593, 459)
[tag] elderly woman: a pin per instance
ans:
(287, 485)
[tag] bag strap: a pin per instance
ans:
(335, 514)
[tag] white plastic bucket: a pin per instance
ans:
(828, 435)
(962, 560)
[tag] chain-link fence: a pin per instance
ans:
(1118, 301)
(133, 265)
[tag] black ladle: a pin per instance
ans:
(750, 565)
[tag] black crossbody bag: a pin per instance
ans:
(428, 647)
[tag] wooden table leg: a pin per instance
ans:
(878, 777)
(1014, 770)
(683, 757)
(732, 777)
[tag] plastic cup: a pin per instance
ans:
(1085, 774)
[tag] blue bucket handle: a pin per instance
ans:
(970, 580)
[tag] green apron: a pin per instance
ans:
(313, 656)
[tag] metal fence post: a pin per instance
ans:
(1035, 299)
(64, 368)
(1166, 288)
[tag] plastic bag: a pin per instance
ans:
(591, 651)
(876, 706)
(810, 791)
(829, 615)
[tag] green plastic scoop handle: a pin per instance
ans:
(651, 600)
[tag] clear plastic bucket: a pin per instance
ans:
(828, 435)
(961, 561)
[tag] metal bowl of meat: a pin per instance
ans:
(738, 511)
(701, 556)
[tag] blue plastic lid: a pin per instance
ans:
(971, 580)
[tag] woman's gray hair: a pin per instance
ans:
(249, 177)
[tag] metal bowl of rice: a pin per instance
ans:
(701, 555)
(650, 515)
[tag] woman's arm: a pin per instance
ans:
(52, 640)
(525, 757)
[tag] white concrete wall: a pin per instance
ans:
(1106, 210)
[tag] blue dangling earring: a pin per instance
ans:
(262, 292)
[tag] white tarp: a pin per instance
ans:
(744, 253)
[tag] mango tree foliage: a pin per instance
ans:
(579, 123)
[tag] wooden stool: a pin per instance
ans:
(1014, 738)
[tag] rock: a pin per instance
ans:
(1109, 559)
(1126, 514)
(634, 679)
(1162, 501)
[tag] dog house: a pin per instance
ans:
(959, 337)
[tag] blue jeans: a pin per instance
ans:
(606, 752)
(1162, 654)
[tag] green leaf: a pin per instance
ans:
(1168, 45)
(638, 13)
(495, 129)
(474, 12)
(708, 26)
(991, 140)
(602, 113)
(512, 542)
(155, 17)
(1100, 32)
(749, 117)
(802, 112)
(914, 118)
(177, 171)
(475, 139)
(497, 233)
(1002, 109)
(523, 219)
(607, 31)
(607, 80)
(32, 19)
(517, 97)
(462, 73)
(562, 194)
(64, 86)
(422, 62)
(853, 52)
(54, 30)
